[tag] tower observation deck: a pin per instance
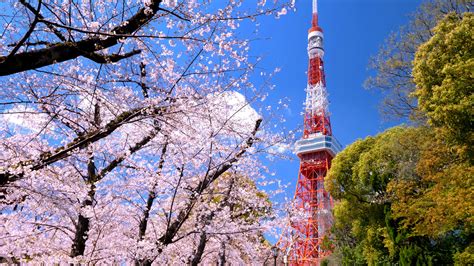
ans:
(302, 242)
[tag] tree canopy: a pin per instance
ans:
(129, 132)
(388, 210)
(406, 196)
(393, 64)
(444, 77)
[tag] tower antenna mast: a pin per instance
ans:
(315, 13)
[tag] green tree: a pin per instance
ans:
(441, 204)
(367, 180)
(394, 62)
(406, 195)
(444, 76)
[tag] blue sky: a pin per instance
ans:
(354, 31)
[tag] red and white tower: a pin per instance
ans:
(302, 242)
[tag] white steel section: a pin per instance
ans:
(313, 53)
(315, 44)
(317, 99)
(315, 6)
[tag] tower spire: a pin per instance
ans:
(315, 13)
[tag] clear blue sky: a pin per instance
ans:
(354, 30)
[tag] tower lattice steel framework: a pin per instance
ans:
(303, 241)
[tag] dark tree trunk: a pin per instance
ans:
(197, 257)
(83, 223)
(222, 255)
(149, 204)
(146, 214)
(80, 238)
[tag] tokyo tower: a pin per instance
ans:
(302, 241)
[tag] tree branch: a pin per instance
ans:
(139, 145)
(40, 17)
(64, 51)
(105, 59)
(173, 13)
(81, 142)
(183, 215)
(27, 34)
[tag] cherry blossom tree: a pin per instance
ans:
(128, 132)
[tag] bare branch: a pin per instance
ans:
(173, 13)
(40, 17)
(27, 34)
